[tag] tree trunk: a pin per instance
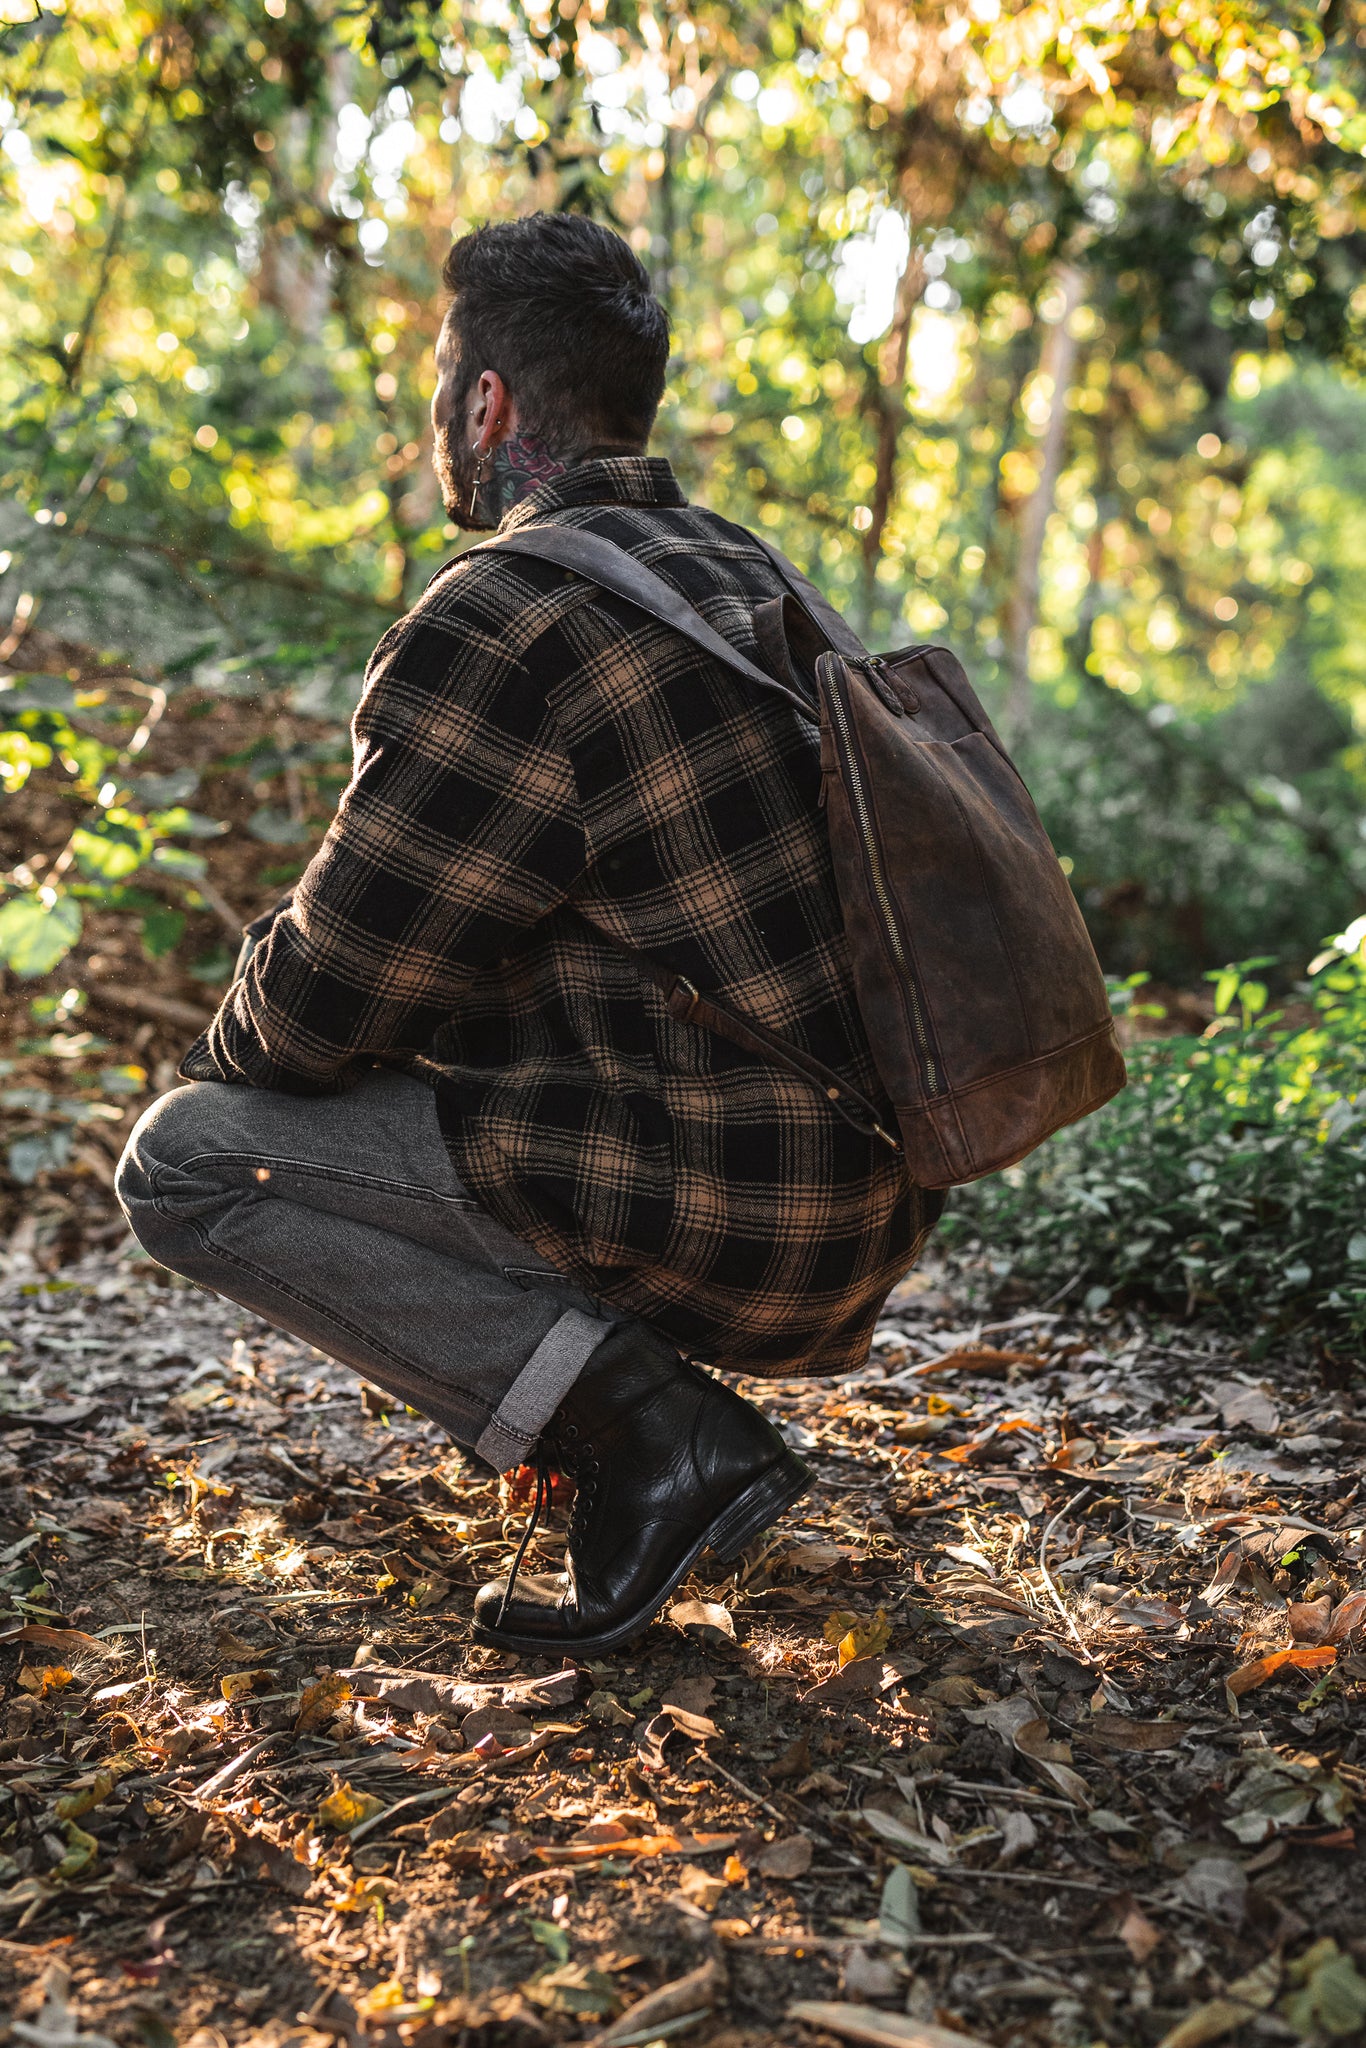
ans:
(1057, 364)
(889, 410)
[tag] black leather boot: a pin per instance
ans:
(666, 1462)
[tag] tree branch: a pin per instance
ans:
(250, 567)
(1057, 363)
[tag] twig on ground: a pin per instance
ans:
(757, 1799)
(143, 1003)
(1004, 1792)
(379, 1820)
(239, 1764)
(519, 1884)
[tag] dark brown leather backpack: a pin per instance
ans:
(984, 1004)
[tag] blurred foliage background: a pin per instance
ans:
(1038, 328)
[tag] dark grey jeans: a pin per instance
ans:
(342, 1220)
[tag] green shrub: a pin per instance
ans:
(1230, 1175)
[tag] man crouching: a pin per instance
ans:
(445, 1125)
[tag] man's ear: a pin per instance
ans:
(493, 413)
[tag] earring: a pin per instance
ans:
(478, 479)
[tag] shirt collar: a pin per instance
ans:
(602, 480)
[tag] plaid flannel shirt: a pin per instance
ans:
(538, 763)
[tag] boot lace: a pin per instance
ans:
(580, 1461)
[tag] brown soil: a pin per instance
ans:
(202, 1525)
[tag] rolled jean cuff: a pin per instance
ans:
(540, 1387)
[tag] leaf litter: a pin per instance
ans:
(1038, 1721)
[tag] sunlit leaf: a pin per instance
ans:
(345, 1808)
(37, 932)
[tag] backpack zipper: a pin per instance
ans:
(872, 854)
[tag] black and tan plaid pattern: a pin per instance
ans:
(538, 763)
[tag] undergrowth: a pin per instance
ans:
(1228, 1177)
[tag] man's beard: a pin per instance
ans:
(456, 468)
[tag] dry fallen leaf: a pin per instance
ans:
(794, 1762)
(1309, 1619)
(233, 1649)
(693, 1695)
(1018, 1834)
(508, 1728)
(700, 1888)
(977, 1358)
(1247, 1995)
(237, 1685)
(607, 1842)
(703, 1617)
(345, 1808)
(788, 1858)
(878, 2029)
(1138, 1933)
(1348, 1615)
(365, 1895)
(687, 1997)
(1226, 1574)
(669, 1724)
(860, 1678)
(1249, 1676)
(273, 1862)
(865, 1638)
(56, 1638)
(1216, 1885)
(869, 1976)
(321, 1702)
(1248, 1406)
(43, 1679)
(1117, 1731)
(1017, 1721)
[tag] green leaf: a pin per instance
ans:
(211, 967)
(38, 693)
(277, 828)
(188, 824)
(110, 851)
(176, 861)
(1332, 1997)
(35, 935)
(162, 930)
(28, 1157)
(158, 792)
(551, 1937)
(123, 1080)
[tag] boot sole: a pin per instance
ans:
(770, 1495)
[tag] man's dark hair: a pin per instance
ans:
(562, 309)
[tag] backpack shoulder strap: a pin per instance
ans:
(837, 629)
(602, 562)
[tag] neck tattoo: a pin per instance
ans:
(518, 466)
(524, 462)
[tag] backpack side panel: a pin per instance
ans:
(984, 1002)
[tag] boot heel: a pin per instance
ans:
(770, 1496)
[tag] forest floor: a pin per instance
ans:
(1038, 1720)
